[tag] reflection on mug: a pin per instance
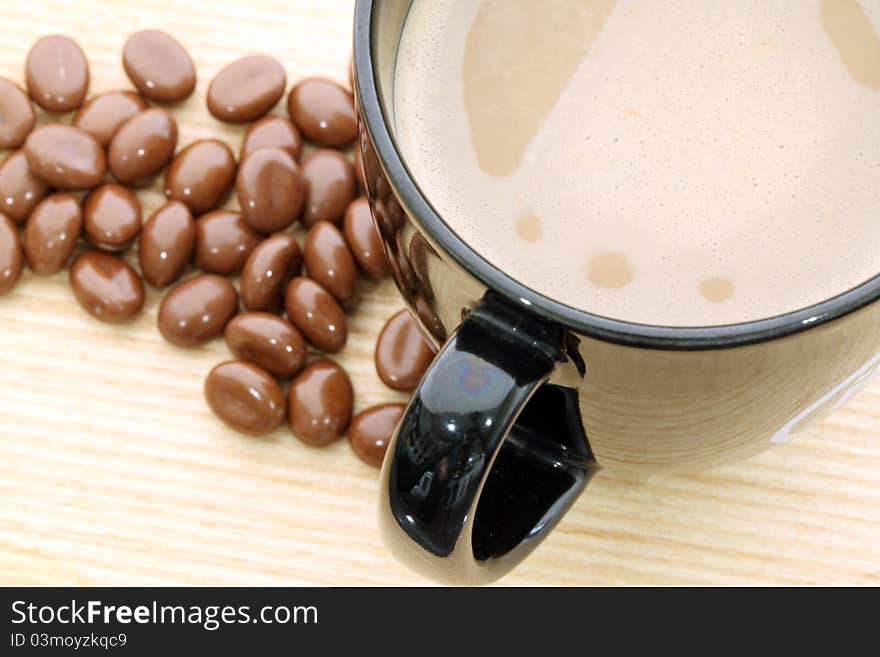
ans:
(832, 400)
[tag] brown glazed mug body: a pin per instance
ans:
(529, 397)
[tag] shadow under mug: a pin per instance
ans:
(528, 398)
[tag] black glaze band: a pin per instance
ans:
(469, 488)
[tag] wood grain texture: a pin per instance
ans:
(113, 470)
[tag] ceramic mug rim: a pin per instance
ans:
(647, 336)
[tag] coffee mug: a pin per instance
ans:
(528, 397)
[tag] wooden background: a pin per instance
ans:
(114, 471)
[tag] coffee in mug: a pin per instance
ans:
(685, 163)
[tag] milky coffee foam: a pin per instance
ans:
(677, 162)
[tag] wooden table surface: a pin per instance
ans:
(114, 471)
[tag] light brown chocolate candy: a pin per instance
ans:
(315, 312)
(167, 243)
(246, 89)
(159, 66)
(11, 257)
(430, 320)
(330, 186)
(16, 115)
(111, 217)
(274, 131)
(224, 241)
(359, 169)
(106, 287)
(268, 341)
(329, 262)
(405, 272)
(402, 354)
(363, 240)
(20, 189)
(267, 270)
(197, 310)
(270, 189)
(200, 175)
(323, 111)
(420, 253)
(142, 146)
(374, 183)
(103, 115)
(65, 157)
(245, 397)
(320, 402)
(386, 222)
(50, 233)
(57, 74)
(372, 429)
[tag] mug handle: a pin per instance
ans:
(471, 484)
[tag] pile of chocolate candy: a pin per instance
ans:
(75, 181)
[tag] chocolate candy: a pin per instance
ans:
(324, 111)
(20, 189)
(270, 189)
(106, 287)
(51, 232)
(159, 66)
(142, 146)
(167, 243)
(65, 157)
(402, 354)
(267, 271)
(315, 312)
(268, 341)
(200, 174)
(359, 169)
(384, 221)
(273, 191)
(420, 252)
(16, 115)
(329, 262)
(57, 74)
(330, 186)
(111, 217)
(245, 397)
(224, 241)
(103, 115)
(246, 89)
(320, 403)
(11, 258)
(405, 272)
(273, 131)
(372, 429)
(430, 320)
(363, 240)
(197, 310)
